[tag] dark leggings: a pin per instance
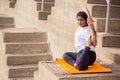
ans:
(82, 59)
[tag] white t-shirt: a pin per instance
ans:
(81, 36)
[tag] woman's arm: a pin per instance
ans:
(90, 24)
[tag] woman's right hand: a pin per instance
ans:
(90, 22)
(85, 9)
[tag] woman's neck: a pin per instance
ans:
(84, 26)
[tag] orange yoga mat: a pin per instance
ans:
(95, 68)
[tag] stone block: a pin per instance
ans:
(43, 15)
(22, 71)
(56, 72)
(25, 37)
(46, 6)
(113, 26)
(113, 2)
(111, 40)
(6, 20)
(27, 47)
(99, 11)
(22, 59)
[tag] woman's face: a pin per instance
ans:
(81, 21)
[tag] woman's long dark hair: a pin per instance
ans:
(82, 14)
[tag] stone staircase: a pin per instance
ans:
(111, 39)
(108, 48)
(108, 43)
(44, 8)
(24, 49)
(6, 21)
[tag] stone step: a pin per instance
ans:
(45, 0)
(20, 71)
(46, 6)
(111, 40)
(6, 20)
(4, 26)
(21, 59)
(25, 37)
(36, 75)
(27, 47)
(113, 27)
(112, 54)
(99, 11)
(114, 2)
(43, 15)
(22, 30)
(50, 16)
(24, 78)
(56, 72)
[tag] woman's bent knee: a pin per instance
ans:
(65, 55)
(92, 58)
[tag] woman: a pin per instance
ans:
(85, 42)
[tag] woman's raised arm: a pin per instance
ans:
(90, 24)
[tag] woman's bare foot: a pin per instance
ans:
(75, 65)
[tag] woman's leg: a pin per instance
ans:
(70, 57)
(82, 60)
(85, 58)
(92, 57)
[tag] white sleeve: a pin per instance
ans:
(87, 34)
(76, 38)
(77, 41)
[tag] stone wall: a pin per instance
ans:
(3, 60)
(62, 27)
(61, 24)
(25, 13)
